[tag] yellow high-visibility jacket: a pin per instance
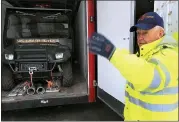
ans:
(152, 80)
(175, 36)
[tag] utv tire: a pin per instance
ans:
(67, 74)
(7, 81)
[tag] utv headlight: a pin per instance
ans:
(9, 56)
(59, 55)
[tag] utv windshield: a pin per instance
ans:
(38, 24)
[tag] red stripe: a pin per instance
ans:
(91, 29)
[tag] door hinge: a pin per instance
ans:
(91, 18)
(95, 83)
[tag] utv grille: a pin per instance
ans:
(31, 53)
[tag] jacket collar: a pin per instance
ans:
(165, 40)
(144, 49)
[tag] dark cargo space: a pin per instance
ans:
(31, 40)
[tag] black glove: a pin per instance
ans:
(98, 44)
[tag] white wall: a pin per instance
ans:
(169, 11)
(80, 40)
(114, 19)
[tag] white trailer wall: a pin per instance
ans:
(169, 11)
(114, 19)
(80, 38)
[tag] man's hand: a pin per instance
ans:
(98, 44)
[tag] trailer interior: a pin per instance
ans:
(77, 29)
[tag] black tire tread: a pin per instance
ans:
(7, 81)
(67, 74)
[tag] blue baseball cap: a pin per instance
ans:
(148, 21)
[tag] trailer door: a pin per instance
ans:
(114, 19)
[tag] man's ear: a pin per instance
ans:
(161, 33)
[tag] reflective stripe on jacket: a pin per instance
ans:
(152, 87)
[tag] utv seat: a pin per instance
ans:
(52, 29)
(13, 27)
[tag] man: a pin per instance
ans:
(152, 74)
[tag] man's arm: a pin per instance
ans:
(148, 76)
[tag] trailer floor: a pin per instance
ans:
(77, 112)
(79, 88)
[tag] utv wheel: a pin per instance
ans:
(7, 81)
(67, 74)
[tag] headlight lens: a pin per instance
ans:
(59, 55)
(9, 56)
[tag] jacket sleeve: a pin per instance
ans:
(149, 76)
(175, 36)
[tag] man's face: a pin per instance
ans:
(148, 36)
